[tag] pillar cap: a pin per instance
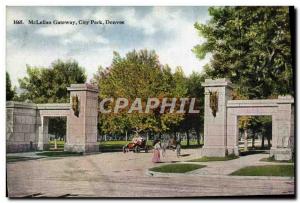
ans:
(285, 99)
(83, 87)
(220, 82)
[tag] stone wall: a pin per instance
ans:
(21, 127)
(27, 125)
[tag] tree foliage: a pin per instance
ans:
(251, 46)
(10, 91)
(49, 85)
(139, 75)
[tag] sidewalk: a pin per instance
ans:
(225, 168)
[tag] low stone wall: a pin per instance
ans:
(27, 123)
(21, 133)
(24, 129)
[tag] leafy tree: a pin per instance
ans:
(251, 46)
(195, 90)
(138, 75)
(10, 91)
(49, 85)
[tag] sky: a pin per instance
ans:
(167, 30)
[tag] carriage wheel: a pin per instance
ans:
(137, 149)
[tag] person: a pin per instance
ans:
(156, 152)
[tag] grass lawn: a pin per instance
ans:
(266, 170)
(58, 153)
(272, 159)
(112, 144)
(118, 145)
(60, 144)
(10, 159)
(207, 159)
(176, 168)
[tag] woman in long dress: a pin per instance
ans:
(156, 152)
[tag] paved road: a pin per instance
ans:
(125, 175)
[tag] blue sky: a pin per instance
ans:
(167, 30)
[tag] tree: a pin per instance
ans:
(144, 78)
(10, 91)
(244, 122)
(195, 90)
(49, 85)
(251, 46)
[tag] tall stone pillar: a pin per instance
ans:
(215, 125)
(82, 122)
(43, 141)
(283, 129)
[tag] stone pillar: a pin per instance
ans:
(215, 126)
(283, 129)
(232, 132)
(82, 128)
(43, 141)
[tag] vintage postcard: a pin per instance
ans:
(150, 101)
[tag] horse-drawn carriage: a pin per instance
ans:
(137, 145)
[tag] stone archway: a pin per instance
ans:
(27, 123)
(220, 128)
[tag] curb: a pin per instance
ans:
(158, 174)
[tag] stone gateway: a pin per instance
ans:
(27, 123)
(221, 126)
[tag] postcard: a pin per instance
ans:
(150, 101)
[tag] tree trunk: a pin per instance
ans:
(263, 141)
(269, 142)
(245, 140)
(187, 138)
(126, 136)
(253, 141)
(105, 137)
(55, 144)
(198, 137)
(147, 135)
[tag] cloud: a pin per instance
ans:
(84, 39)
(56, 30)
(14, 13)
(167, 30)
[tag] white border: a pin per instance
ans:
(5, 3)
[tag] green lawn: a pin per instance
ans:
(272, 159)
(266, 170)
(176, 168)
(118, 145)
(60, 145)
(112, 144)
(207, 159)
(58, 153)
(10, 159)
